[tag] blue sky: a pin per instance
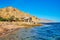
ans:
(47, 9)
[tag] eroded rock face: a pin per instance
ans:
(10, 11)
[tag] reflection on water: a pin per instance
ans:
(47, 32)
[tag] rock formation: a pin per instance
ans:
(13, 12)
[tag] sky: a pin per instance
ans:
(46, 9)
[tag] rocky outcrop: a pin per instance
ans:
(13, 12)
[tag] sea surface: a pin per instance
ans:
(49, 31)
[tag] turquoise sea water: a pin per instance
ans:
(45, 32)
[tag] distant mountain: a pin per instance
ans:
(11, 11)
(45, 20)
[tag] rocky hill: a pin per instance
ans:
(10, 12)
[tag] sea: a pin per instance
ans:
(49, 31)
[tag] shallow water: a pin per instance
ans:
(46, 32)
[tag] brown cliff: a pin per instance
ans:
(10, 11)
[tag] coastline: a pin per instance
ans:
(9, 27)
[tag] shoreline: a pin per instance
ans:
(9, 27)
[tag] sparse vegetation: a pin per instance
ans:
(3, 19)
(12, 18)
(17, 19)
